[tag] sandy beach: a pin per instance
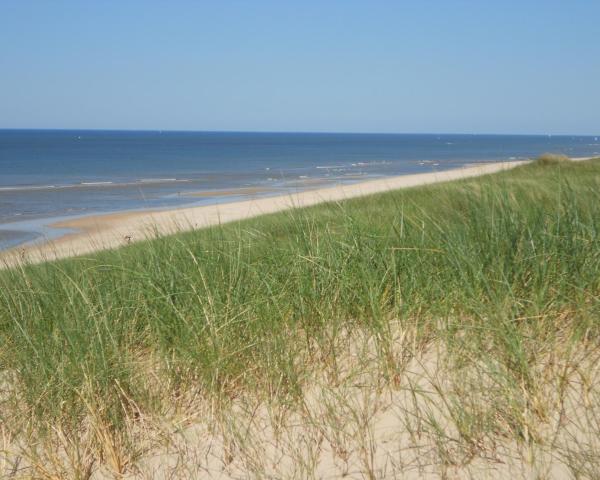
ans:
(99, 232)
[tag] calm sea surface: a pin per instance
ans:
(50, 174)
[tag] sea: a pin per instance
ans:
(50, 175)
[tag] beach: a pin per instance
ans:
(55, 176)
(100, 232)
(299, 240)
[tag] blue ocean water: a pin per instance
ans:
(47, 174)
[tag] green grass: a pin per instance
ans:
(503, 271)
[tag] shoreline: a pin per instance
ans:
(113, 230)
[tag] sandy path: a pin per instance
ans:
(114, 230)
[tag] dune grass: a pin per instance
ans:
(551, 159)
(500, 275)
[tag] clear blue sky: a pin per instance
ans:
(370, 66)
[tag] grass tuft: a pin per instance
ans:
(552, 159)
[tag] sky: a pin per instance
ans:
(484, 66)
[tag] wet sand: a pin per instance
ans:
(114, 230)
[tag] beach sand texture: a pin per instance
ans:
(101, 232)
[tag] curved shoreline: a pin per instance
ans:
(100, 232)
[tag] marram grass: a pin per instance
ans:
(502, 273)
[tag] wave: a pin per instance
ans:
(371, 164)
(356, 164)
(161, 180)
(31, 187)
(141, 181)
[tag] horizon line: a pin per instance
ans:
(323, 132)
